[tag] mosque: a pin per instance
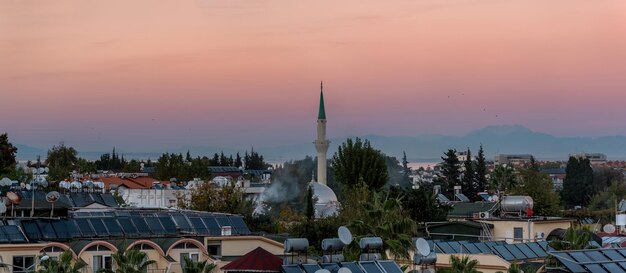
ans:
(327, 203)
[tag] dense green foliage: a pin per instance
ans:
(481, 170)
(420, 204)
(356, 160)
(460, 265)
(175, 166)
(450, 172)
(7, 155)
(538, 186)
(61, 161)
(191, 266)
(468, 181)
(64, 264)
(129, 261)
(502, 178)
(578, 187)
(227, 199)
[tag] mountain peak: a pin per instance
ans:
(501, 130)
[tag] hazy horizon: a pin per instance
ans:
(142, 75)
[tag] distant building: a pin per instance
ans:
(594, 158)
(513, 159)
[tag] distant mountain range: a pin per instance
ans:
(500, 139)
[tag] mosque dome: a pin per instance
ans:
(327, 204)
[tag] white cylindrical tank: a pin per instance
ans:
(515, 203)
(296, 245)
(620, 219)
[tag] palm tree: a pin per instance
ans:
(129, 261)
(463, 265)
(385, 218)
(573, 239)
(192, 266)
(64, 264)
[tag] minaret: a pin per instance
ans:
(321, 143)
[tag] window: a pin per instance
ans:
(23, 264)
(52, 249)
(102, 261)
(214, 248)
(194, 256)
(518, 234)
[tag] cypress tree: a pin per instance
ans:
(469, 177)
(450, 171)
(481, 170)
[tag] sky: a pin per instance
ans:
(146, 74)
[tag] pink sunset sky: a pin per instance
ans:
(147, 74)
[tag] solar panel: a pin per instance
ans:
(462, 197)
(61, 229)
(332, 267)
(141, 224)
(352, 266)
(389, 266)
(14, 234)
(85, 228)
(503, 252)
(580, 257)
(613, 268)
(445, 247)
(212, 225)
(456, 246)
(46, 229)
(484, 248)
(442, 198)
(127, 226)
(613, 254)
(168, 224)
(535, 247)
(515, 251)
(113, 227)
(155, 225)
(595, 268)
(622, 251)
(470, 248)
(32, 230)
(527, 251)
(596, 256)
(99, 227)
(3, 237)
(370, 267)
(568, 262)
(109, 200)
(292, 268)
(310, 268)
(239, 225)
(223, 221)
(181, 222)
(198, 225)
(544, 245)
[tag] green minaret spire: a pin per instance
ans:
(322, 112)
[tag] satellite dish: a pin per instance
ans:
(608, 228)
(28, 186)
(14, 198)
(344, 270)
(53, 196)
(345, 236)
(322, 271)
(23, 185)
(422, 246)
(3, 208)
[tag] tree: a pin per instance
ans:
(573, 239)
(396, 173)
(61, 161)
(191, 266)
(406, 170)
(503, 178)
(356, 160)
(85, 166)
(450, 171)
(310, 205)
(538, 186)
(461, 265)
(481, 170)
(64, 264)
(7, 155)
(468, 182)
(420, 204)
(578, 183)
(226, 199)
(384, 217)
(130, 261)
(238, 162)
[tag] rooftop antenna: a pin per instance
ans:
(32, 210)
(52, 197)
